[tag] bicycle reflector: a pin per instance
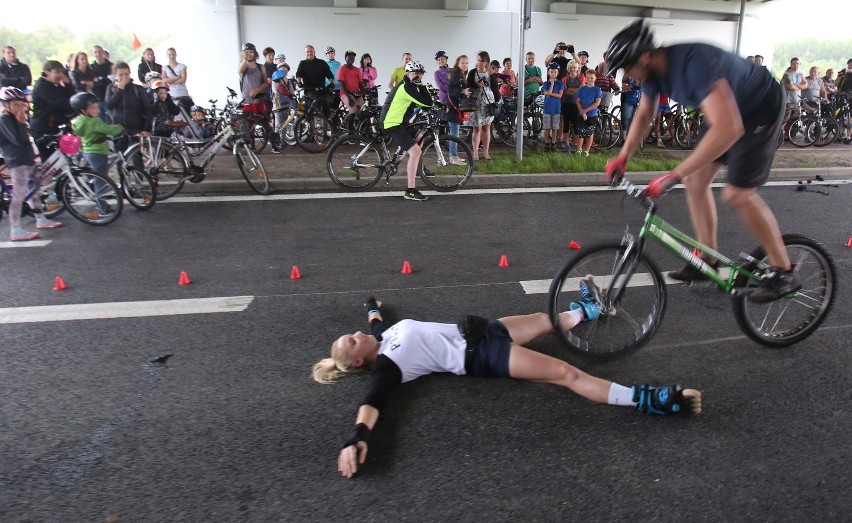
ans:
(69, 144)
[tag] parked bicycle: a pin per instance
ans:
(631, 289)
(358, 162)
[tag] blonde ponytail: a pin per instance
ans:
(328, 370)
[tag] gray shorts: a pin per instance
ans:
(550, 121)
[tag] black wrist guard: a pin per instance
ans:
(361, 434)
(371, 304)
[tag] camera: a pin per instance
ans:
(562, 47)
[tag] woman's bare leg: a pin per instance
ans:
(525, 364)
(527, 327)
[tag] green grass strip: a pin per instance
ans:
(560, 162)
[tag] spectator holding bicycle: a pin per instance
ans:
(130, 103)
(509, 78)
(815, 91)
(793, 82)
(399, 73)
(743, 106)
(607, 84)
(148, 65)
(349, 78)
(253, 82)
(93, 131)
(18, 154)
(397, 110)
(828, 83)
(164, 111)
(51, 109)
(532, 75)
(475, 346)
(314, 74)
(456, 81)
(631, 91)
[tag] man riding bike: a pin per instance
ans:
(743, 108)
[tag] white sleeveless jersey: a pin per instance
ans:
(420, 348)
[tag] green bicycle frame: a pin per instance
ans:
(684, 247)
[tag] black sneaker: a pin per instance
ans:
(666, 400)
(775, 285)
(690, 273)
(415, 195)
(276, 150)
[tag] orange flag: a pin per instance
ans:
(136, 43)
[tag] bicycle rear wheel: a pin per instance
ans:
(251, 167)
(138, 187)
(91, 197)
(355, 162)
(435, 168)
(791, 319)
(163, 161)
(51, 200)
(627, 321)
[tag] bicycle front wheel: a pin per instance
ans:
(355, 162)
(803, 131)
(91, 198)
(435, 168)
(313, 133)
(791, 319)
(138, 187)
(249, 164)
(633, 300)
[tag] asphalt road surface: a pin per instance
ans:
(231, 426)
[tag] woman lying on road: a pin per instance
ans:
(476, 347)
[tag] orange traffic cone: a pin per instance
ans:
(504, 262)
(406, 267)
(60, 284)
(184, 278)
(574, 245)
(294, 273)
(849, 243)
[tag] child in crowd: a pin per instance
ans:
(204, 128)
(283, 106)
(93, 132)
(664, 111)
(588, 100)
(20, 159)
(164, 110)
(552, 90)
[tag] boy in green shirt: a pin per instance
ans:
(93, 131)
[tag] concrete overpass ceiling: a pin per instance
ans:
(674, 9)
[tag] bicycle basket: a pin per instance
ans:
(69, 144)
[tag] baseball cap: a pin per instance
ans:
(583, 53)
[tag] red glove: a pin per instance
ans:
(615, 169)
(661, 185)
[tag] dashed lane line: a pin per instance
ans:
(30, 243)
(126, 309)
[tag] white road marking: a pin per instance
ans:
(125, 309)
(30, 243)
(461, 192)
(640, 279)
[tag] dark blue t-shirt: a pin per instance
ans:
(552, 105)
(694, 68)
(587, 96)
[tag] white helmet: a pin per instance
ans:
(414, 67)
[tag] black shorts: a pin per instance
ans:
(491, 354)
(586, 128)
(749, 160)
(401, 137)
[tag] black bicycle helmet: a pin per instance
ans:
(80, 101)
(627, 46)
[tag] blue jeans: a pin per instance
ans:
(627, 111)
(99, 163)
(454, 131)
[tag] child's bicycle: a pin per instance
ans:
(88, 196)
(632, 291)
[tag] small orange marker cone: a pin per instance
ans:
(184, 278)
(504, 262)
(849, 243)
(406, 267)
(60, 284)
(574, 245)
(294, 273)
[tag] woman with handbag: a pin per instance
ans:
(483, 86)
(456, 90)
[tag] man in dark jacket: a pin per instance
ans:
(13, 73)
(130, 104)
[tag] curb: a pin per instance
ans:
(483, 181)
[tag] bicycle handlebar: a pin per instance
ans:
(634, 191)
